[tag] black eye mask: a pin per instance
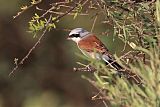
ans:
(75, 35)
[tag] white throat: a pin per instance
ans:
(76, 39)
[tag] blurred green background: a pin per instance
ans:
(46, 79)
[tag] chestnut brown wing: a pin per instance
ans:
(92, 43)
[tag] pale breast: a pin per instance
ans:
(91, 54)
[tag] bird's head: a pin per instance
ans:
(77, 34)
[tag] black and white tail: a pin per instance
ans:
(132, 77)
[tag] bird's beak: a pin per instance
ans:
(68, 38)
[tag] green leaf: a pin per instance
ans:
(78, 10)
(158, 11)
(98, 79)
(36, 16)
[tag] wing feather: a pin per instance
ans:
(91, 43)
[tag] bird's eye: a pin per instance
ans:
(75, 35)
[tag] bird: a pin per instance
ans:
(92, 47)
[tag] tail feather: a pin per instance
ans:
(132, 77)
(112, 62)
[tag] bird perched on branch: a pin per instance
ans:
(92, 47)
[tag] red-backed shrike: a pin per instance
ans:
(92, 47)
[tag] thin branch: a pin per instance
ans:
(40, 38)
(126, 72)
(34, 46)
(94, 22)
(101, 92)
(23, 10)
(47, 11)
(87, 68)
(59, 3)
(60, 13)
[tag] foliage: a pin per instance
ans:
(118, 92)
(137, 24)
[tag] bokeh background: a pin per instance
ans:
(46, 79)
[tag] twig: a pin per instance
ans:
(40, 38)
(59, 3)
(47, 11)
(60, 13)
(68, 11)
(104, 96)
(128, 74)
(34, 46)
(94, 22)
(33, 4)
(88, 68)
(140, 39)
